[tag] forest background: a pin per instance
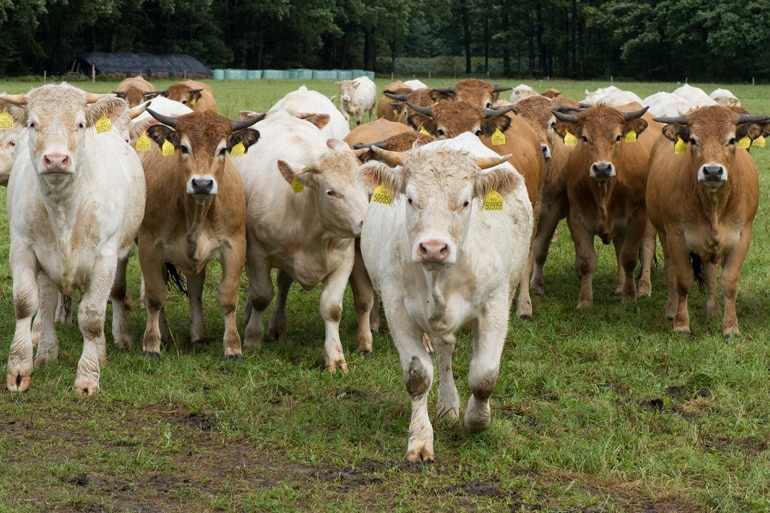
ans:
(667, 40)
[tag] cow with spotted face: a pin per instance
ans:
(702, 197)
(75, 201)
(442, 254)
(606, 176)
(195, 213)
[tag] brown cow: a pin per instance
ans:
(374, 131)
(702, 196)
(195, 212)
(606, 176)
(136, 90)
(503, 132)
(471, 90)
(387, 107)
(196, 95)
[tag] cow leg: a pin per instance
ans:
(585, 260)
(546, 227)
(48, 342)
(448, 405)
(232, 269)
(331, 312)
(491, 328)
(647, 256)
(668, 268)
(679, 258)
(91, 314)
(277, 326)
(629, 255)
(523, 299)
(710, 272)
(24, 268)
(121, 331)
(731, 272)
(363, 299)
(195, 292)
(617, 244)
(259, 297)
(154, 295)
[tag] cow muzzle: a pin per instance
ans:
(57, 163)
(202, 186)
(436, 250)
(602, 170)
(712, 175)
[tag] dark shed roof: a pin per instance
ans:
(146, 64)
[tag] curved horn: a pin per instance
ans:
(120, 94)
(425, 111)
(244, 123)
(166, 120)
(746, 118)
(491, 113)
(394, 158)
(565, 108)
(134, 112)
(18, 99)
(564, 117)
(679, 120)
(94, 97)
(367, 146)
(636, 114)
(584, 105)
(499, 88)
(487, 162)
(447, 90)
(399, 97)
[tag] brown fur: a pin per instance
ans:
(196, 95)
(134, 90)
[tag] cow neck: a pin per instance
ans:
(602, 192)
(196, 213)
(436, 281)
(714, 202)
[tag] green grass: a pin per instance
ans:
(602, 409)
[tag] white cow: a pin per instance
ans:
(667, 104)
(304, 207)
(695, 95)
(725, 98)
(415, 84)
(75, 201)
(11, 124)
(356, 97)
(440, 260)
(616, 98)
(521, 91)
(592, 97)
(306, 102)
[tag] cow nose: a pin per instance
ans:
(56, 162)
(433, 251)
(202, 185)
(602, 170)
(713, 173)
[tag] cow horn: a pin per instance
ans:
(166, 120)
(584, 105)
(491, 113)
(394, 158)
(134, 112)
(636, 114)
(564, 117)
(18, 99)
(425, 111)
(499, 88)
(379, 144)
(449, 90)
(679, 120)
(94, 97)
(244, 123)
(746, 118)
(399, 97)
(565, 108)
(487, 162)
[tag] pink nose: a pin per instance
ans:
(56, 162)
(433, 251)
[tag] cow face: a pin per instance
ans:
(439, 190)
(473, 91)
(347, 90)
(184, 94)
(600, 132)
(201, 142)
(712, 135)
(333, 181)
(446, 120)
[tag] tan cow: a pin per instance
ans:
(12, 120)
(195, 212)
(136, 90)
(606, 176)
(374, 131)
(196, 95)
(387, 107)
(702, 196)
(503, 132)
(471, 90)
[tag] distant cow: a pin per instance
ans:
(386, 109)
(605, 179)
(471, 90)
(356, 97)
(304, 102)
(695, 95)
(667, 104)
(305, 206)
(136, 90)
(725, 98)
(75, 201)
(521, 91)
(446, 244)
(195, 213)
(196, 95)
(702, 196)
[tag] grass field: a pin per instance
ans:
(597, 410)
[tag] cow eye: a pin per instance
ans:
(466, 204)
(693, 141)
(184, 149)
(409, 200)
(478, 133)
(731, 142)
(222, 152)
(584, 138)
(488, 105)
(440, 133)
(332, 193)
(617, 139)
(32, 125)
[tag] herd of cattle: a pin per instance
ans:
(444, 206)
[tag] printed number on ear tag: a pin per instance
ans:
(6, 121)
(744, 143)
(381, 195)
(143, 143)
(680, 148)
(167, 149)
(493, 201)
(297, 186)
(103, 125)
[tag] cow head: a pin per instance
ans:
(347, 90)
(473, 91)
(712, 134)
(134, 95)
(183, 93)
(13, 120)
(201, 142)
(446, 120)
(600, 131)
(333, 182)
(439, 188)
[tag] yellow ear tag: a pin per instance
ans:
(423, 131)
(239, 150)
(395, 112)
(103, 125)
(569, 139)
(759, 142)
(680, 148)
(297, 186)
(744, 143)
(497, 138)
(6, 121)
(381, 195)
(493, 201)
(167, 149)
(193, 100)
(631, 136)
(143, 143)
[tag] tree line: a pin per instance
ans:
(722, 40)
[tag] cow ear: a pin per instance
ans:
(490, 125)
(247, 114)
(673, 131)
(195, 95)
(750, 130)
(437, 96)
(110, 107)
(375, 173)
(292, 172)
(420, 122)
(500, 179)
(638, 125)
(562, 127)
(18, 113)
(163, 133)
(318, 120)
(247, 136)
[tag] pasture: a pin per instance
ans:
(599, 410)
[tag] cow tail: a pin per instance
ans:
(697, 269)
(172, 276)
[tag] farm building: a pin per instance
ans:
(147, 64)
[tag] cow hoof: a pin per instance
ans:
(234, 357)
(199, 344)
(421, 456)
(526, 317)
(17, 382)
(151, 355)
(86, 386)
(729, 337)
